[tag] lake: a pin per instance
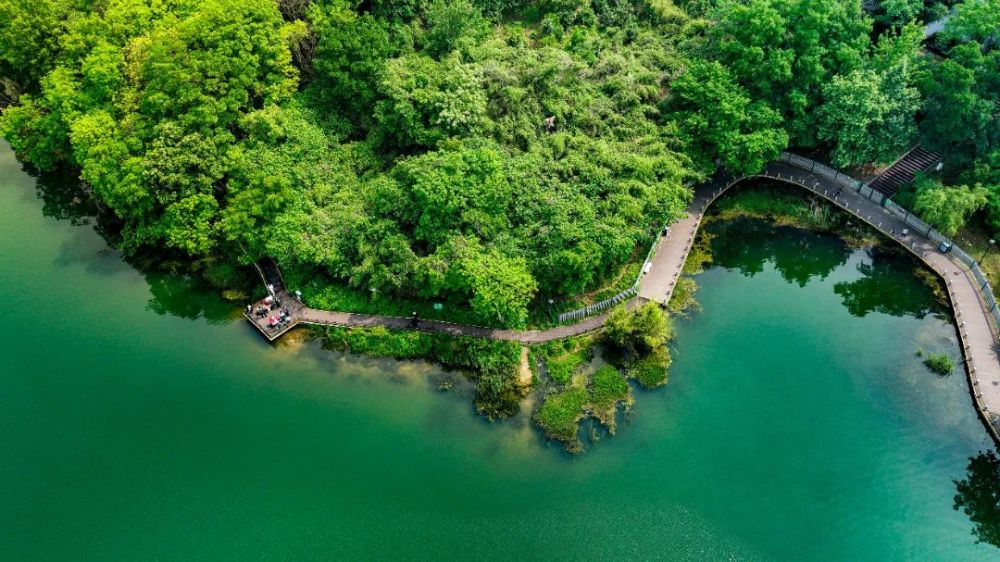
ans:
(142, 418)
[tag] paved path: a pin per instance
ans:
(329, 318)
(975, 325)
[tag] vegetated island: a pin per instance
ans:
(486, 162)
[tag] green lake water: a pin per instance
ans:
(141, 419)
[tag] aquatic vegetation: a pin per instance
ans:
(490, 364)
(940, 363)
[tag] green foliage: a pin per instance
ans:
(651, 370)
(977, 20)
(564, 357)
(719, 122)
(450, 23)
(784, 51)
(560, 414)
(947, 207)
(899, 12)
(869, 116)
(637, 332)
(607, 387)
(940, 363)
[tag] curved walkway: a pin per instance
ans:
(976, 328)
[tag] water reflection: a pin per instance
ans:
(63, 199)
(799, 255)
(173, 289)
(887, 286)
(186, 296)
(979, 496)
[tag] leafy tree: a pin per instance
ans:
(449, 22)
(637, 332)
(426, 101)
(784, 51)
(869, 116)
(350, 54)
(719, 122)
(899, 12)
(947, 207)
(30, 31)
(977, 20)
(955, 109)
(501, 286)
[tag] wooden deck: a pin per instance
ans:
(272, 333)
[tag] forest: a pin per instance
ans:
(490, 155)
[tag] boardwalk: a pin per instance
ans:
(973, 317)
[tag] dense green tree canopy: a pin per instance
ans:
(488, 155)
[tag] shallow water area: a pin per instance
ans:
(141, 418)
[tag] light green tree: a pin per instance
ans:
(947, 207)
(869, 116)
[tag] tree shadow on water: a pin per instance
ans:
(888, 285)
(978, 496)
(798, 255)
(187, 296)
(174, 288)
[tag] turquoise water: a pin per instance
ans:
(140, 418)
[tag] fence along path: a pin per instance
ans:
(975, 307)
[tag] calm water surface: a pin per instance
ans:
(141, 419)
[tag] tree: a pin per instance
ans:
(501, 287)
(30, 32)
(899, 12)
(947, 207)
(954, 108)
(784, 51)
(426, 101)
(637, 332)
(869, 116)
(449, 22)
(717, 119)
(976, 20)
(351, 52)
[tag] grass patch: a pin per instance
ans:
(774, 203)
(975, 240)
(491, 365)
(563, 357)
(560, 414)
(940, 364)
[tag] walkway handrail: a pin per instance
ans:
(985, 291)
(623, 296)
